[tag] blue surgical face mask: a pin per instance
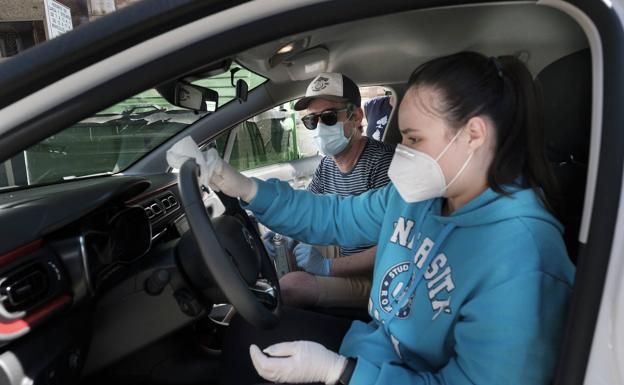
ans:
(330, 139)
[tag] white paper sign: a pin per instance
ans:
(58, 18)
(102, 7)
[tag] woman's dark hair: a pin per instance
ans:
(471, 84)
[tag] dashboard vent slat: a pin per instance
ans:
(24, 287)
(161, 206)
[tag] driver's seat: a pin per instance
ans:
(567, 91)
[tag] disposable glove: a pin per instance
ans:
(270, 246)
(228, 180)
(298, 362)
(215, 173)
(311, 260)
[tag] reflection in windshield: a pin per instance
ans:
(102, 144)
(113, 139)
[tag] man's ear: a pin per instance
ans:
(478, 130)
(358, 115)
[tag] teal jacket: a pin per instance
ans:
(477, 297)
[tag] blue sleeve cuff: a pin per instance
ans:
(365, 373)
(264, 196)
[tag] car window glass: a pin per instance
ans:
(273, 136)
(276, 136)
(113, 139)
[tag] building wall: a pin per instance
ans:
(82, 10)
(21, 10)
(22, 21)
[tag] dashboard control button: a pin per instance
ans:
(157, 281)
(188, 303)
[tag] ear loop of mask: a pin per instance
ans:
(460, 171)
(448, 145)
(350, 110)
(463, 167)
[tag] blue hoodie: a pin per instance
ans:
(477, 297)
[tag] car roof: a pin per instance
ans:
(395, 29)
(385, 49)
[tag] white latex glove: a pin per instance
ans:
(215, 173)
(298, 362)
(185, 149)
(227, 179)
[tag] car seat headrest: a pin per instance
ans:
(566, 88)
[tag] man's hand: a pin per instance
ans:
(267, 239)
(311, 260)
(298, 362)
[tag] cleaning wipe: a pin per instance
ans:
(185, 149)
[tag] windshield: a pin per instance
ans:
(113, 139)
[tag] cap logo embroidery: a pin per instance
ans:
(320, 84)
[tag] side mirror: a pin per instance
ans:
(195, 97)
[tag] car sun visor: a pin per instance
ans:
(307, 64)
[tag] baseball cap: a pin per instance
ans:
(331, 86)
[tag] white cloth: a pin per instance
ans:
(298, 362)
(214, 172)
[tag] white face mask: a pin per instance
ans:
(330, 139)
(417, 176)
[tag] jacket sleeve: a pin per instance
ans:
(509, 335)
(320, 219)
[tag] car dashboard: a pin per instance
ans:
(69, 250)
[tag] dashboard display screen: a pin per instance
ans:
(116, 239)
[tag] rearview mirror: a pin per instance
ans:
(195, 97)
(241, 90)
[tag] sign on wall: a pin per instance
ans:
(102, 7)
(58, 18)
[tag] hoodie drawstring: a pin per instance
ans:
(406, 295)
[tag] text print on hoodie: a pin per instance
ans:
(477, 297)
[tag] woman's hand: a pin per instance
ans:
(227, 179)
(298, 362)
(214, 172)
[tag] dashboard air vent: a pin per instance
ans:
(24, 287)
(160, 206)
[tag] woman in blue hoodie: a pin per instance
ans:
(471, 278)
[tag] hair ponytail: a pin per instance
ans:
(527, 126)
(502, 89)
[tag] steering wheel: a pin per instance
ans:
(231, 250)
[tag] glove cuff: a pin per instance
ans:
(251, 192)
(334, 374)
(347, 373)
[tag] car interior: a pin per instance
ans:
(127, 278)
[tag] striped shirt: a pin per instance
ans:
(370, 172)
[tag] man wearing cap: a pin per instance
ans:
(353, 164)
